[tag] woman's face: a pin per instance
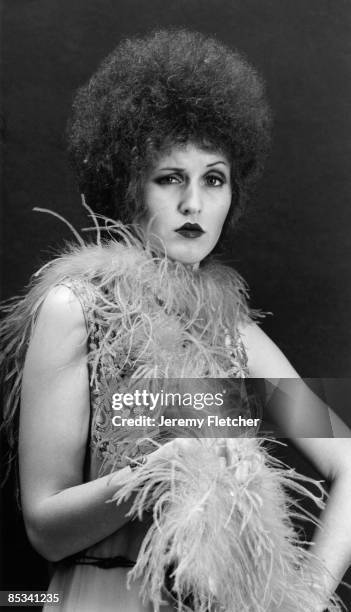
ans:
(187, 195)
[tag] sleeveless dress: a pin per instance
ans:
(227, 527)
(89, 588)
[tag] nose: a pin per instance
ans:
(190, 202)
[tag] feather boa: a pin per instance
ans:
(156, 318)
(226, 530)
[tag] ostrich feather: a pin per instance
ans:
(225, 529)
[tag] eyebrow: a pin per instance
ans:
(217, 162)
(174, 169)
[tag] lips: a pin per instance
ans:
(190, 230)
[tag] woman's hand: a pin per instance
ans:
(177, 446)
(170, 449)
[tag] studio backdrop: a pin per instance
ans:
(293, 246)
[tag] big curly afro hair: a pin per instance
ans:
(168, 88)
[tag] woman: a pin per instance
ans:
(170, 135)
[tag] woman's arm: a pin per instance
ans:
(302, 411)
(62, 514)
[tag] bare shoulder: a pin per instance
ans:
(60, 326)
(63, 307)
(62, 302)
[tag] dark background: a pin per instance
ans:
(293, 247)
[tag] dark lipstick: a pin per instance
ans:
(190, 230)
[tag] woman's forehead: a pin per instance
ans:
(190, 153)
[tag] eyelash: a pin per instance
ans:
(166, 180)
(221, 179)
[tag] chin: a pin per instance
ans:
(188, 255)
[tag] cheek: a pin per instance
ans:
(221, 213)
(158, 213)
(157, 217)
(227, 205)
(151, 207)
(155, 202)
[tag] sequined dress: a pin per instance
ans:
(184, 329)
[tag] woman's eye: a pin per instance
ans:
(213, 180)
(169, 179)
